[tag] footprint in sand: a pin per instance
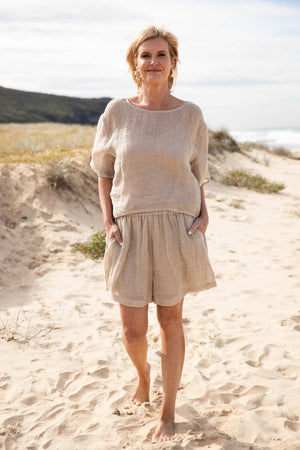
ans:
(208, 311)
(69, 425)
(292, 425)
(287, 369)
(30, 400)
(52, 413)
(101, 373)
(85, 390)
(291, 321)
(63, 379)
(68, 348)
(256, 356)
(13, 421)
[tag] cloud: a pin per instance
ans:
(228, 47)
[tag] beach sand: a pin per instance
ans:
(66, 379)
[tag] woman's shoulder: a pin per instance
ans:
(114, 105)
(195, 108)
(114, 112)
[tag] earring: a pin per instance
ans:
(172, 73)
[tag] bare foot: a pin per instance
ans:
(141, 394)
(164, 431)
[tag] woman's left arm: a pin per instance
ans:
(202, 221)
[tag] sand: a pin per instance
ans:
(65, 377)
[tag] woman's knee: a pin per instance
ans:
(133, 334)
(170, 318)
(134, 323)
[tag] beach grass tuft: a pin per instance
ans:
(281, 151)
(58, 175)
(244, 178)
(220, 140)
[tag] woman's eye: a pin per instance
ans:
(145, 56)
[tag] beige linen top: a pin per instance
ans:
(157, 159)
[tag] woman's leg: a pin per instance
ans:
(172, 358)
(135, 325)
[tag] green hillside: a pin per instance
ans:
(27, 107)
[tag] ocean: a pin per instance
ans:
(288, 138)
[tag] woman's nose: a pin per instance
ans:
(153, 60)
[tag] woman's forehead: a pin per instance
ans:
(154, 44)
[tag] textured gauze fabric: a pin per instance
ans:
(157, 159)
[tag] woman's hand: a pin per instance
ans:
(112, 230)
(201, 222)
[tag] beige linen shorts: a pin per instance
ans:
(159, 262)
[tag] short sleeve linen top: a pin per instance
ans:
(157, 159)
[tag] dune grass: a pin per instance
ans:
(244, 178)
(280, 151)
(220, 140)
(38, 142)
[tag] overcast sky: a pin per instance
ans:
(239, 59)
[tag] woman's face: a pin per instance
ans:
(154, 62)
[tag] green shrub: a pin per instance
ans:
(244, 178)
(94, 246)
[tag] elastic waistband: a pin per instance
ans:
(153, 213)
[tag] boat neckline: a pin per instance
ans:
(157, 110)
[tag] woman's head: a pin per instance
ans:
(142, 43)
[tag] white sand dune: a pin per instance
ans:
(65, 378)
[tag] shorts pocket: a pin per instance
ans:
(109, 242)
(199, 231)
(202, 235)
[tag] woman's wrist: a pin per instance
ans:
(109, 222)
(203, 213)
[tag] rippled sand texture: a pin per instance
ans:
(65, 378)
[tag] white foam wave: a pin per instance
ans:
(288, 138)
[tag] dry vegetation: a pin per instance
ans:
(40, 142)
(256, 182)
(280, 151)
(220, 141)
(16, 325)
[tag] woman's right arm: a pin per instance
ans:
(111, 228)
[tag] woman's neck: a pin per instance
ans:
(155, 97)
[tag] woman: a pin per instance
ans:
(150, 153)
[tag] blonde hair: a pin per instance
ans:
(152, 32)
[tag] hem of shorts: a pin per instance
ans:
(118, 214)
(188, 291)
(118, 299)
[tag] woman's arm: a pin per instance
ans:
(202, 221)
(111, 228)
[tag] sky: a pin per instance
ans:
(239, 59)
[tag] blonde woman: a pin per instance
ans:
(150, 153)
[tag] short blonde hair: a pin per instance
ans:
(153, 32)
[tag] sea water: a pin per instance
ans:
(288, 138)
